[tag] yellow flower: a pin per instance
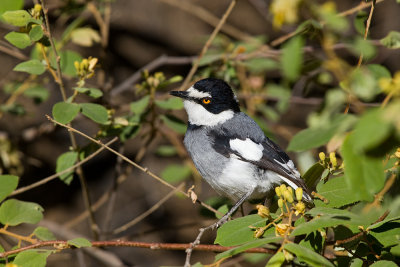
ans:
(263, 211)
(284, 11)
(281, 229)
(391, 85)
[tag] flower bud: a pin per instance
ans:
(290, 189)
(397, 153)
(321, 156)
(263, 211)
(299, 193)
(283, 188)
(288, 196)
(76, 64)
(258, 232)
(278, 191)
(333, 159)
(37, 8)
(280, 203)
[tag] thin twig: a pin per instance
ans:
(151, 66)
(97, 205)
(13, 52)
(79, 171)
(52, 177)
(209, 18)
(207, 44)
(149, 211)
(360, 59)
(143, 169)
(350, 11)
(61, 244)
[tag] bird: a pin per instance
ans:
(229, 149)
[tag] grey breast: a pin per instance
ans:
(208, 162)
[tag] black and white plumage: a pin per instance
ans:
(229, 149)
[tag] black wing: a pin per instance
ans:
(273, 158)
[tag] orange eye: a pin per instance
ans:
(206, 100)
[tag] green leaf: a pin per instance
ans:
(277, 260)
(67, 59)
(174, 123)
(79, 242)
(38, 93)
(166, 151)
(85, 36)
(392, 40)
(32, 66)
(18, 39)
(359, 22)
(379, 71)
(64, 112)
(43, 233)
(65, 161)
(95, 112)
(32, 258)
(258, 65)
(338, 193)
(292, 57)
(175, 173)
(315, 137)
(14, 212)
(8, 183)
(223, 210)
(384, 263)
(92, 92)
(36, 33)
(308, 256)
(313, 175)
(362, 83)
(17, 17)
(363, 174)
(170, 103)
(252, 244)
(237, 231)
(388, 234)
(363, 47)
(371, 131)
(138, 107)
(8, 5)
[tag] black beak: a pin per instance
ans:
(181, 94)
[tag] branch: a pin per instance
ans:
(208, 43)
(350, 11)
(147, 212)
(52, 177)
(209, 18)
(120, 243)
(155, 64)
(79, 171)
(143, 169)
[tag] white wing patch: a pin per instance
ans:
(192, 92)
(247, 149)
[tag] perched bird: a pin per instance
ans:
(229, 149)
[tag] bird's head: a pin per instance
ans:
(209, 102)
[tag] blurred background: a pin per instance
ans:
(165, 36)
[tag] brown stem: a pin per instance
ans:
(119, 243)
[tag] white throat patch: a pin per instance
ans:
(198, 115)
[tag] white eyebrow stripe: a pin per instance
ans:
(192, 92)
